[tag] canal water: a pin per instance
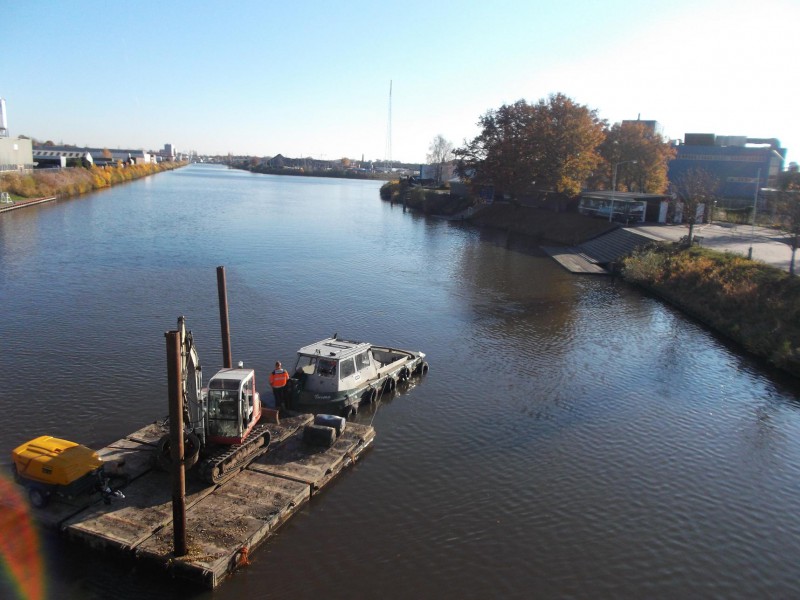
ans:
(573, 438)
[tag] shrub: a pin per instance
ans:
(74, 181)
(752, 303)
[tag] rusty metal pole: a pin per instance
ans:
(175, 387)
(227, 361)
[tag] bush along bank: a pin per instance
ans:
(76, 180)
(754, 304)
(427, 200)
(540, 224)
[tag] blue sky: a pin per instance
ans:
(312, 78)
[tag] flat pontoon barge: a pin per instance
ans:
(224, 522)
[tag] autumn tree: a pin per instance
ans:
(439, 152)
(787, 211)
(522, 148)
(694, 188)
(641, 155)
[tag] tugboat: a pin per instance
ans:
(335, 376)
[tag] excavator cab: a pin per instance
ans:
(233, 406)
(221, 430)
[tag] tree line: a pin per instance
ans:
(557, 145)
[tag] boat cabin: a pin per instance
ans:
(332, 364)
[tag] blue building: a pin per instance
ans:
(741, 164)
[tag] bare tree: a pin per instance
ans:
(439, 152)
(787, 211)
(694, 188)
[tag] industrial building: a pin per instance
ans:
(742, 165)
(55, 156)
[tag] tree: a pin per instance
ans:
(694, 188)
(629, 142)
(787, 210)
(439, 152)
(547, 146)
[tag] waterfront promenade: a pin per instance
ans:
(725, 237)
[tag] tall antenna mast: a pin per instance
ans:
(389, 132)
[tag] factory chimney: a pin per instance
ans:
(3, 119)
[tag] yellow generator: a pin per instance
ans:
(48, 465)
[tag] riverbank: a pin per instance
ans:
(303, 172)
(568, 228)
(75, 181)
(752, 303)
(747, 301)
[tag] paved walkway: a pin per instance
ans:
(725, 237)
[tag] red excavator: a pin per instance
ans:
(221, 430)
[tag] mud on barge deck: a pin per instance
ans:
(224, 522)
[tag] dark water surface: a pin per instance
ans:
(573, 438)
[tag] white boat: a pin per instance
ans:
(335, 376)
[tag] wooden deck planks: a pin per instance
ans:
(59, 510)
(240, 514)
(312, 465)
(131, 458)
(125, 524)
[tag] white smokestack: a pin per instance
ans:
(3, 119)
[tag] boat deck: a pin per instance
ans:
(225, 522)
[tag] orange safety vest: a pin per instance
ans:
(278, 378)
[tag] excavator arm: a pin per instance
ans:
(194, 405)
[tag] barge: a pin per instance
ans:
(225, 522)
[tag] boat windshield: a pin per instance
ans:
(326, 367)
(223, 417)
(305, 365)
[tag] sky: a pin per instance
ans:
(313, 78)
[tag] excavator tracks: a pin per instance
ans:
(226, 461)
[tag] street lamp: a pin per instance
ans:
(614, 185)
(753, 223)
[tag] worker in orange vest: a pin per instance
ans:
(278, 380)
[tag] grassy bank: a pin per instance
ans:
(567, 228)
(756, 305)
(301, 172)
(544, 225)
(74, 181)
